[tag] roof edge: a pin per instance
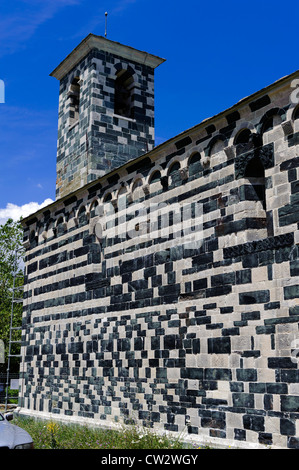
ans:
(99, 42)
(160, 147)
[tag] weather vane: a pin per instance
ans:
(106, 14)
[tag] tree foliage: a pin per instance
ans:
(11, 274)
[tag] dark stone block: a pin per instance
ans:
(183, 142)
(162, 257)
(294, 267)
(291, 292)
(259, 103)
(149, 272)
(243, 400)
(257, 388)
(196, 346)
(272, 306)
(226, 309)
(223, 279)
(255, 297)
(289, 403)
(75, 348)
(204, 258)
(246, 375)
(140, 165)
(32, 268)
(294, 310)
(155, 342)
(293, 139)
(220, 345)
(281, 363)
(192, 373)
(232, 117)
(233, 331)
(250, 261)
(254, 423)
(169, 341)
(61, 348)
(216, 420)
(46, 349)
(139, 343)
(265, 438)
(265, 330)
(277, 388)
(243, 276)
(240, 434)
(254, 247)
(199, 284)
(217, 291)
(293, 443)
(172, 289)
(156, 280)
(176, 253)
(289, 164)
(288, 219)
(250, 315)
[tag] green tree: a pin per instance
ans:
(11, 274)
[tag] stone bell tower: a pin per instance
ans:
(106, 110)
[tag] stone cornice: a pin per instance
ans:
(99, 42)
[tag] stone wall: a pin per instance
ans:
(167, 291)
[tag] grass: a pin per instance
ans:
(54, 435)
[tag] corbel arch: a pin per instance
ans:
(267, 122)
(219, 140)
(240, 128)
(137, 187)
(194, 162)
(60, 225)
(173, 166)
(82, 215)
(153, 180)
(94, 208)
(153, 174)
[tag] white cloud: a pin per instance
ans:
(13, 211)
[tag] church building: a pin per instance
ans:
(161, 286)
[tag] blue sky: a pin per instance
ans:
(216, 54)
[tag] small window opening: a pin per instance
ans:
(123, 100)
(243, 137)
(255, 172)
(74, 100)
